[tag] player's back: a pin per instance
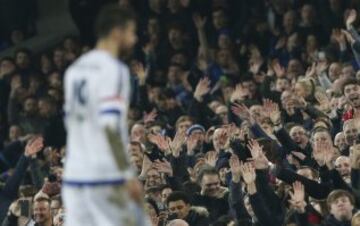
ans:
(96, 85)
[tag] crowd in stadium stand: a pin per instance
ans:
(243, 112)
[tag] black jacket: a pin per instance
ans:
(331, 221)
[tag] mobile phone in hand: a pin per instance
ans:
(25, 210)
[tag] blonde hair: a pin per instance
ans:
(356, 220)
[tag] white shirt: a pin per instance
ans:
(96, 96)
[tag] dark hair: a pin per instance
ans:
(206, 170)
(112, 16)
(350, 81)
(178, 196)
(337, 194)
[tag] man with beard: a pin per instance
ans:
(341, 206)
(351, 90)
(98, 173)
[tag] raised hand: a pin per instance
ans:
(199, 21)
(240, 93)
(235, 168)
(350, 19)
(141, 72)
(254, 148)
(177, 143)
(339, 36)
(311, 71)
(248, 173)
(211, 158)
(278, 69)
(34, 146)
(297, 200)
(321, 67)
(150, 117)
(202, 88)
(348, 36)
(272, 111)
(163, 167)
(324, 154)
(258, 157)
(323, 100)
(162, 142)
(242, 112)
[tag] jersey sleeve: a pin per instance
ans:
(113, 98)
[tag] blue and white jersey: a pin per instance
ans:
(96, 97)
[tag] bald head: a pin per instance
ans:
(177, 222)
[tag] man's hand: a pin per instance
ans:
(324, 102)
(162, 142)
(211, 158)
(177, 143)
(150, 117)
(272, 111)
(339, 36)
(350, 19)
(322, 66)
(240, 93)
(202, 88)
(34, 146)
(280, 71)
(199, 21)
(235, 168)
(258, 156)
(164, 167)
(141, 72)
(324, 154)
(297, 200)
(242, 112)
(248, 173)
(349, 37)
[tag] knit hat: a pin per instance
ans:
(193, 128)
